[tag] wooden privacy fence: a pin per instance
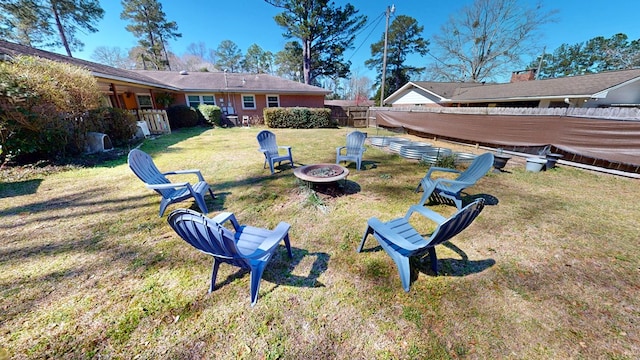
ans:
(157, 120)
(353, 116)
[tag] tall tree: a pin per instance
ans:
(229, 56)
(403, 38)
(257, 60)
(149, 24)
(288, 61)
(49, 23)
(595, 55)
(325, 32)
(487, 39)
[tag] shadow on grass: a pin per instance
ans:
(453, 267)
(466, 199)
(335, 189)
(446, 267)
(19, 188)
(280, 270)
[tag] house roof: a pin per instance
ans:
(588, 86)
(231, 82)
(444, 90)
(591, 85)
(97, 70)
(174, 80)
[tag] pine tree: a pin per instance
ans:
(49, 23)
(149, 24)
(324, 31)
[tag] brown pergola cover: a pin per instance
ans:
(611, 140)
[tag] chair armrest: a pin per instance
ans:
(385, 231)
(226, 216)
(167, 186)
(271, 241)
(285, 147)
(441, 169)
(426, 212)
(188, 171)
(461, 184)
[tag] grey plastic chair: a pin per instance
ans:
(142, 165)
(270, 149)
(401, 240)
(245, 246)
(443, 188)
(353, 150)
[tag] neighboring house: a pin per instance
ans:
(235, 93)
(605, 89)
(239, 93)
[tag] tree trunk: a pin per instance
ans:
(306, 61)
(63, 37)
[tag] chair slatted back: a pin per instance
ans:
(206, 235)
(267, 141)
(355, 142)
(456, 223)
(142, 165)
(478, 168)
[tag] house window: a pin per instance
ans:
(248, 102)
(144, 102)
(273, 101)
(208, 99)
(195, 100)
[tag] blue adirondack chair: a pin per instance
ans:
(401, 240)
(245, 246)
(442, 188)
(353, 150)
(270, 149)
(142, 165)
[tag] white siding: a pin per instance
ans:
(416, 97)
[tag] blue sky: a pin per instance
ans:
(246, 22)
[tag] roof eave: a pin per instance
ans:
(520, 98)
(132, 81)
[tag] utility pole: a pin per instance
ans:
(540, 63)
(384, 56)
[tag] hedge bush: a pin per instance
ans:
(211, 113)
(298, 118)
(42, 105)
(181, 116)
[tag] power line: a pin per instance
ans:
(378, 19)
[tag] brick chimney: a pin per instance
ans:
(523, 75)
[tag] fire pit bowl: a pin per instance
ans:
(321, 173)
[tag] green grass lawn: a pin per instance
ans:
(549, 270)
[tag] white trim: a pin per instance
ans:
(200, 98)
(266, 97)
(255, 105)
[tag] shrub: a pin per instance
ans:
(42, 103)
(119, 124)
(446, 161)
(181, 116)
(211, 113)
(164, 99)
(298, 118)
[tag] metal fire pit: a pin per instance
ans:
(321, 173)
